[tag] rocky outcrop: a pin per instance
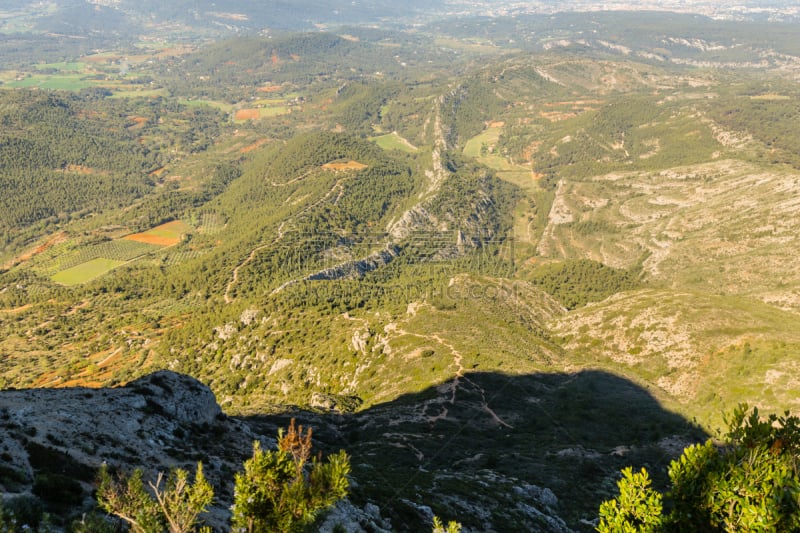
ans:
(182, 398)
(161, 421)
(355, 269)
(347, 517)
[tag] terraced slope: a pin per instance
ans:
(723, 227)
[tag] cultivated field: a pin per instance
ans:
(348, 165)
(86, 271)
(261, 112)
(168, 234)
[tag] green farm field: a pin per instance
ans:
(86, 271)
(243, 115)
(487, 138)
(64, 66)
(482, 147)
(393, 141)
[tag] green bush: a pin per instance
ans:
(637, 508)
(173, 506)
(750, 483)
(280, 491)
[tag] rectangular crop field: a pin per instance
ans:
(274, 111)
(168, 234)
(86, 271)
(261, 112)
(73, 66)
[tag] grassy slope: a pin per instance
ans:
(724, 227)
(706, 352)
(653, 180)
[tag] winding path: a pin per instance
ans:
(253, 252)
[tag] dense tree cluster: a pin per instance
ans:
(576, 282)
(56, 161)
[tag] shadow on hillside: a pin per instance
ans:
(496, 452)
(470, 447)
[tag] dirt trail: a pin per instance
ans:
(453, 386)
(16, 310)
(459, 375)
(293, 180)
(403, 443)
(449, 390)
(108, 358)
(253, 252)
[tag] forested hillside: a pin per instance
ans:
(55, 161)
(67, 155)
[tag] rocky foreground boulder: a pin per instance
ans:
(52, 441)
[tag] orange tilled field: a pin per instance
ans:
(152, 239)
(168, 234)
(246, 114)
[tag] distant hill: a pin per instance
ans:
(128, 18)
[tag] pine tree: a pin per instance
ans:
(128, 499)
(281, 491)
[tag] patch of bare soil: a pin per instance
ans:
(349, 165)
(247, 114)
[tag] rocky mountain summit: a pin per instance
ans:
(53, 440)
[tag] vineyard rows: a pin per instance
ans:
(116, 250)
